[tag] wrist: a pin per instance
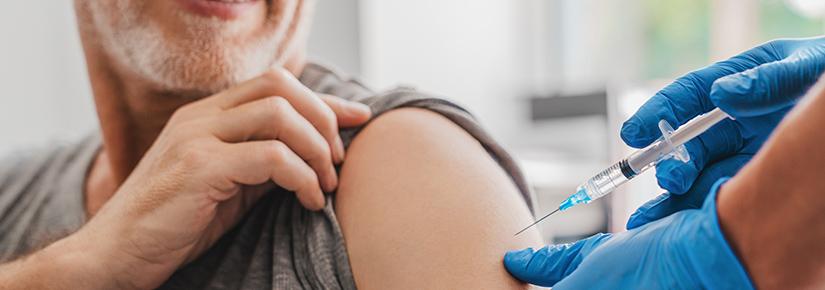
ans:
(78, 261)
(66, 264)
(714, 258)
(123, 261)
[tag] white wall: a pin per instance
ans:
(44, 92)
(335, 37)
(475, 52)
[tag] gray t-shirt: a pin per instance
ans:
(278, 245)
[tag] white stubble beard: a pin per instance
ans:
(200, 62)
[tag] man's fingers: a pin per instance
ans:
(280, 82)
(310, 106)
(552, 263)
(348, 113)
(769, 87)
(274, 118)
(256, 162)
(270, 83)
(253, 89)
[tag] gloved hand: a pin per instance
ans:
(686, 250)
(756, 88)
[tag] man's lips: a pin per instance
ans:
(223, 9)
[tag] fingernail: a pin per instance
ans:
(359, 109)
(630, 129)
(339, 150)
(323, 201)
(634, 220)
(641, 216)
(320, 204)
(331, 181)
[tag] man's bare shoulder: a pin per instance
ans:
(423, 205)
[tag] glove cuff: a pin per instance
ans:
(715, 263)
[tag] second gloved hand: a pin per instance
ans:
(756, 88)
(686, 250)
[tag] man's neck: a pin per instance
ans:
(131, 116)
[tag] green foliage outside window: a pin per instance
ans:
(677, 32)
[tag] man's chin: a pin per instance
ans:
(203, 81)
(177, 49)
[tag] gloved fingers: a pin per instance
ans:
(551, 263)
(676, 176)
(676, 103)
(647, 212)
(686, 97)
(662, 206)
(770, 87)
(667, 203)
(720, 141)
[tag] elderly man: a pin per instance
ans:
(215, 168)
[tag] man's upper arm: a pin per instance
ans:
(423, 206)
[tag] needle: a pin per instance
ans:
(534, 223)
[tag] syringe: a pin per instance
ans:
(670, 145)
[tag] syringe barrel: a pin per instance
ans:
(606, 181)
(646, 157)
(643, 158)
(697, 126)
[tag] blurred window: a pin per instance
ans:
(777, 20)
(677, 37)
(677, 33)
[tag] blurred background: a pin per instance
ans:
(551, 79)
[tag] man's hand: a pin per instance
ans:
(757, 88)
(197, 179)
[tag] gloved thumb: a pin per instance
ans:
(769, 87)
(667, 203)
(552, 263)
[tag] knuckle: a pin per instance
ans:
(277, 105)
(309, 184)
(193, 157)
(277, 151)
(329, 123)
(779, 42)
(335, 104)
(184, 129)
(693, 81)
(275, 76)
(776, 48)
(320, 156)
(174, 129)
(181, 114)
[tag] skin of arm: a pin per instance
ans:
(773, 211)
(68, 263)
(423, 206)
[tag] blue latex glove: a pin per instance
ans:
(686, 250)
(756, 87)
